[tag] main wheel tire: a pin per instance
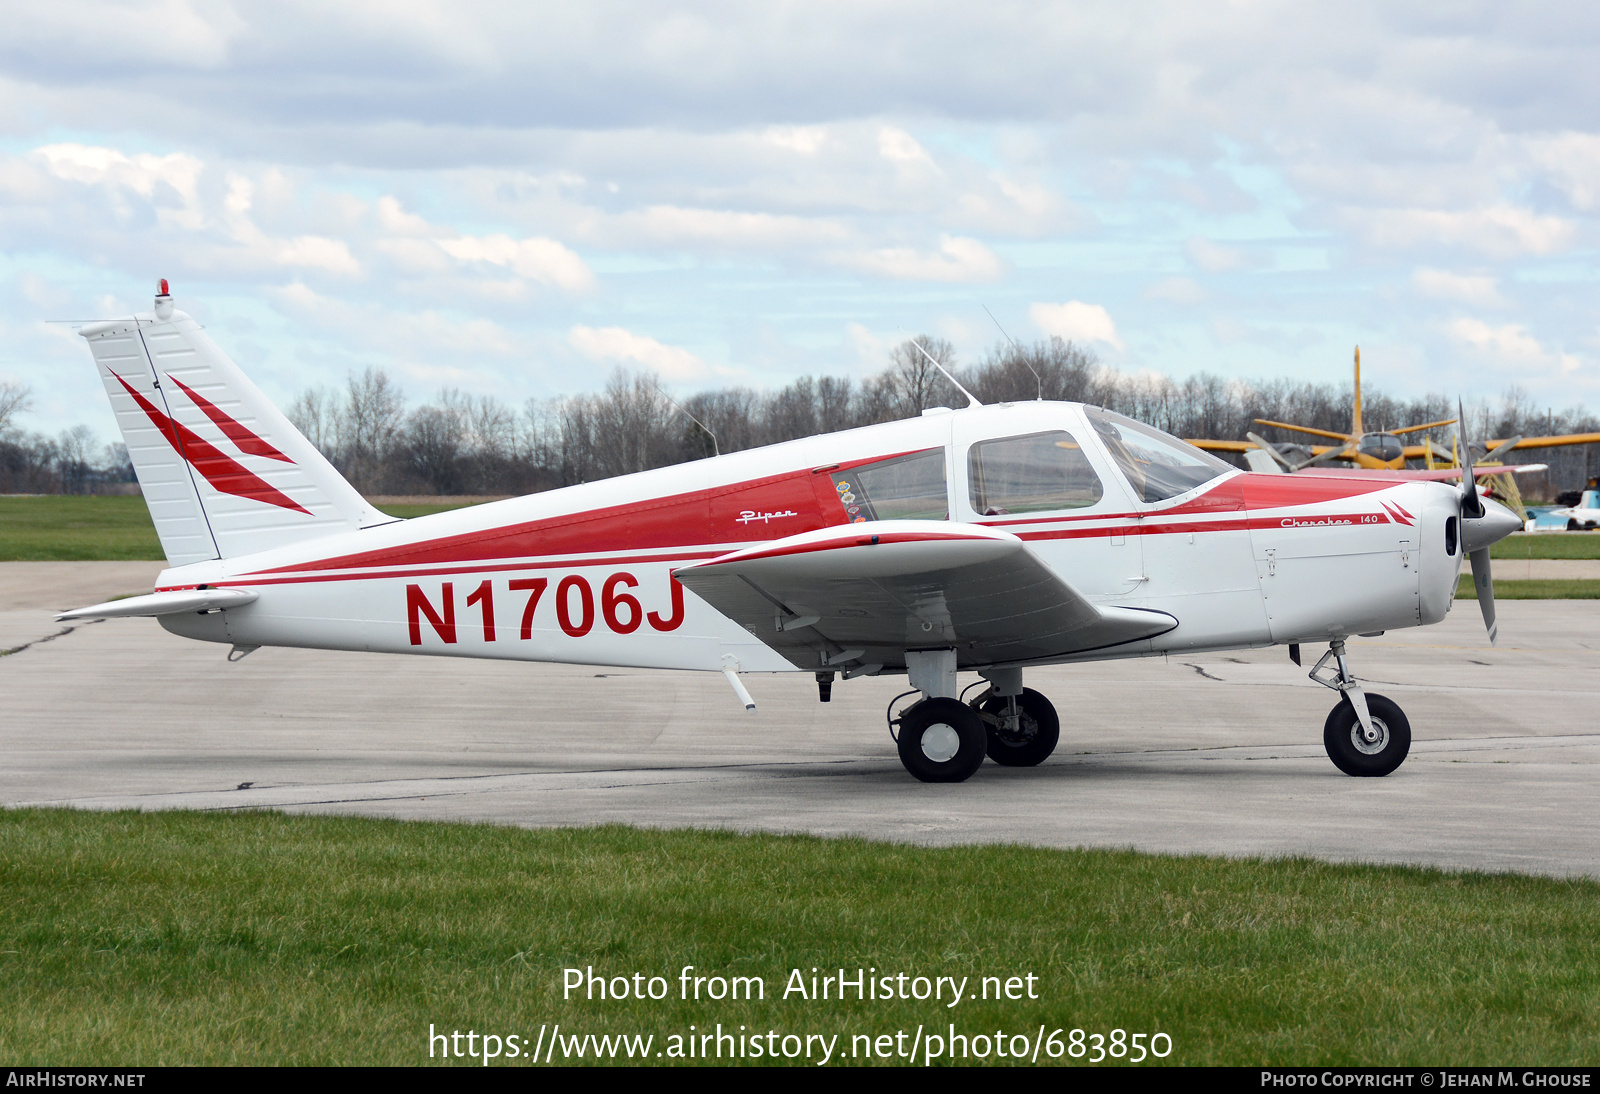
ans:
(941, 740)
(1348, 747)
(1037, 736)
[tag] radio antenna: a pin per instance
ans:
(656, 383)
(1020, 355)
(972, 400)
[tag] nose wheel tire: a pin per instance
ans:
(1355, 752)
(1031, 740)
(941, 741)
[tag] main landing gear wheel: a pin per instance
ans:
(941, 740)
(1024, 737)
(1353, 751)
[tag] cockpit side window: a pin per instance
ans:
(904, 488)
(1031, 473)
(1157, 465)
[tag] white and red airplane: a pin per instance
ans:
(984, 540)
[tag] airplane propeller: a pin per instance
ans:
(1289, 466)
(1483, 524)
(1270, 450)
(1502, 448)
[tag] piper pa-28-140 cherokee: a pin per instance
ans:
(988, 540)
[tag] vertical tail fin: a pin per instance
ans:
(1355, 418)
(223, 472)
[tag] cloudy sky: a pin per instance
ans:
(516, 198)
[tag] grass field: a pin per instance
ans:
(1548, 545)
(1534, 589)
(255, 938)
(56, 528)
(53, 528)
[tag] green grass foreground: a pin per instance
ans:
(168, 938)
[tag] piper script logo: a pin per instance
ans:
(225, 474)
(750, 516)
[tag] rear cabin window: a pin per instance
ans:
(1030, 474)
(904, 488)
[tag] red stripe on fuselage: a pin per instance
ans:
(250, 580)
(692, 519)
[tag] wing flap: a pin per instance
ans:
(863, 594)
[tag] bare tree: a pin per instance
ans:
(914, 383)
(373, 409)
(431, 443)
(315, 413)
(74, 451)
(14, 399)
(477, 444)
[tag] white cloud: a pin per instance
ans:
(804, 139)
(958, 259)
(318, 253)
(1214, 257)
(397, 222)
(538, 259)
(1076, 322)
(1176, 290)
(1501, 230)
(616, 344)
(144, 174)
(1227, 330)
(414, 256)
(870, 350)
(679, 226)
(898, 146)
(1511, 342)
(180, 34)
(754, 169)
(1572, 161)
(1467, 288)
(414, 339)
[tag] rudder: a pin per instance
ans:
(223, 472)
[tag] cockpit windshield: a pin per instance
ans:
(1157, 465)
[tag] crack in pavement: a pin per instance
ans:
(37, 641)
(1204, 673)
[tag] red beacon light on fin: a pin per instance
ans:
(163, 300)
(161, 288)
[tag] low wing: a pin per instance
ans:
(1438, 474)
(1246, 447)
(1556, 441)
(859, 596)
(1220, 446)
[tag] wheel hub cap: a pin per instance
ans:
(940, 742)
(1370, 745)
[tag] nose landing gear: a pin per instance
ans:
(1365, 735)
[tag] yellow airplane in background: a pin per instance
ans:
(1382, 450)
